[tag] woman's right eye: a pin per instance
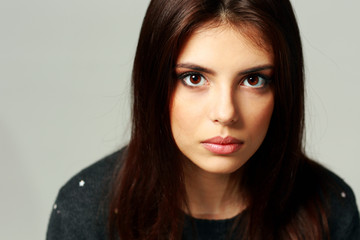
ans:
(193, 79)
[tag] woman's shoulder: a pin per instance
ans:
(343, 218)
(80, 210)
(343, 214)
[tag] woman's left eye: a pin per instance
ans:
(255, 81)
(193, 79)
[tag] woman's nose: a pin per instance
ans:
(224, 110)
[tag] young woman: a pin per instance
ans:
(216, 146)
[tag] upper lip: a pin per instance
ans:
(223, 141)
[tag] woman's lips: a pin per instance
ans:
(219, 145)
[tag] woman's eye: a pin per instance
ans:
(193, 79)
(255, 81)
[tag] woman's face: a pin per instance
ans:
(222, 105)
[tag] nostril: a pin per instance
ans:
(225, 121)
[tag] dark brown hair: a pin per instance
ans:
(149, 191)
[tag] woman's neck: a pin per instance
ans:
(212, 196)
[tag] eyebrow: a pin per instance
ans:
(196, 67)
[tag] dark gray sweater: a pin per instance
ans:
(80, 210)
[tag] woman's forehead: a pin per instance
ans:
(223, 51)
(215, 40)
(255, 37)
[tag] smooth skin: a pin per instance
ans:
(224, 89)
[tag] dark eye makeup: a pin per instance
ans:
(195, 79)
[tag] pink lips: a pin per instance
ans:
(219, 145)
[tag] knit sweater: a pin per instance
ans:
(80, 210)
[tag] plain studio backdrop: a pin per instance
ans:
(65, 70)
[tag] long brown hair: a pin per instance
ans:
(149, 192)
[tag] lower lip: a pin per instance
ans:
(222, 148)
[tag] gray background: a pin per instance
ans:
(64, 94)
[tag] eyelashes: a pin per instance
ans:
(256, 81)
(193, 79)
(197, 80)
